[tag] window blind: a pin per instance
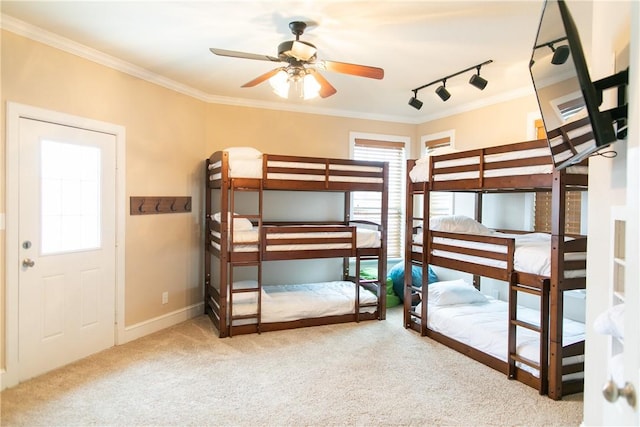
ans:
(573, 202)
(367, 205)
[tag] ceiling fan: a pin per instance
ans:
(302, 65)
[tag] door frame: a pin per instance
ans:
(15, 112)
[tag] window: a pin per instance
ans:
(542, 208)
(367, 205)
(70, 197)
(440, 203)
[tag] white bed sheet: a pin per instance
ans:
(484, 326)
(246, 240)
(284, 303)
(532, 253)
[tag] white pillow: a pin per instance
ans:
(247, 297)
(611, 322)
(454, 292)
(244, 153)
(239, 224)
(457, 224)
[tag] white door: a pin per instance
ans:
(67, 230)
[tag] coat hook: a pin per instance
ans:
(140, 207)
(173, 205)
(187, 206)
(158, 205)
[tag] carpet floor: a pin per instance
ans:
(367, 374)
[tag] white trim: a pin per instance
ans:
(451, 134)
(2, 221)
(62, 43)
(15, 112)
(150, 326)
(38, 34)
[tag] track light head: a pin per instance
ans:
(560, 54)
(415, 103)
(478, 81)
(442, 91)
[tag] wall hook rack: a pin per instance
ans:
(159, 205)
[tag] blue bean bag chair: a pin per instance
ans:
(396, 274)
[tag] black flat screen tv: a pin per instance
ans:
(568, 99)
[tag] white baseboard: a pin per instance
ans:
(150, 326)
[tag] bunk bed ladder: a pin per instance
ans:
(235, 292)
(257, 316)
(542, 291)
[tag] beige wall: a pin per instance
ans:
(164, 145)
(290, 133)
(168, 136)
(498, 124)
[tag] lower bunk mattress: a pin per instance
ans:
(482, 322)
(285, 303)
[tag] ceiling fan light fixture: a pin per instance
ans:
(311, 87)
(280, 84)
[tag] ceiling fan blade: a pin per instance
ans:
(244, 55)
(326, 89)
(263, 77)
(353, 69)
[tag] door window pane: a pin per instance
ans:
(70, 197)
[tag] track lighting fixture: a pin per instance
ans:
(478, 81)
(414, 101)
(442, 91)
(560, 54)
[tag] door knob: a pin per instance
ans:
(28, 262)
(611, 392)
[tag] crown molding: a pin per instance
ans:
(51, 39)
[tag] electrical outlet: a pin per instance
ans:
(165, 297)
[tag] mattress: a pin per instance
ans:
(284, 303)
(532, 253)
(247, 240)
(483, 326)
(421, 173)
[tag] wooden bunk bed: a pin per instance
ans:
(235, 240)
(556, 369)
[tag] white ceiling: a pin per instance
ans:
(415, 42)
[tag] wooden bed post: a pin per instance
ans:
(408, 233)
(207, 254)
(478, 213)
(382, 261)
(426, 253)
(558, 197)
